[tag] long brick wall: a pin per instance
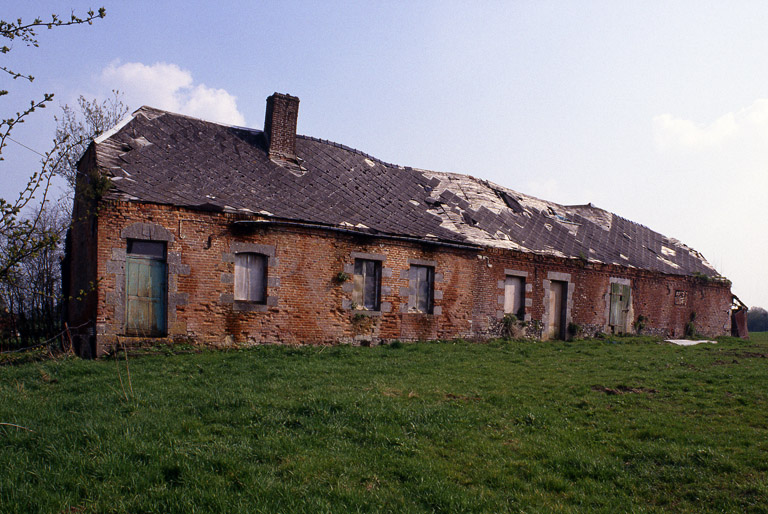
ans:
(308, 304)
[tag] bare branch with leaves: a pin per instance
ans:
(27, 32)
(78, 126)
(19, 235)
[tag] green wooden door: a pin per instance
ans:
(620, 303)
(145, 294)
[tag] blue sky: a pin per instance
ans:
(657, 111)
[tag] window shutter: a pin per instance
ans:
(513, 295)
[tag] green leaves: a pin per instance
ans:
(27, 31)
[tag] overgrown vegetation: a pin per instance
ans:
(624, 424)
(509, 326)
(639, 325)
(30, 292)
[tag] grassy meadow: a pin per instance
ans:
(622, 425)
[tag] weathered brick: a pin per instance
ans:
(306, 304)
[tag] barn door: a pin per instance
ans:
(146, 291)
(558, 296)
(620, 302)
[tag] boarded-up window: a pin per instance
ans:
(145, 286)
(424, 280)
(514, 296)
(620, 302)
(251, 277)
(366, 287)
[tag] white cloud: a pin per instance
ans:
(719, 171)
(167, 86)
(677, 133)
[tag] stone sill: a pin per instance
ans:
(364, 312)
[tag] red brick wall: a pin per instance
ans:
(313, 306)
(81, 298)
(653, 295)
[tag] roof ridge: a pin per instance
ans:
(353, 150)
(148, 109)
(145, 109)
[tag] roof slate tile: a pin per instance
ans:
(191, 162)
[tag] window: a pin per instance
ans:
(366, 286)
(145, 286)
(424, 280)
(251, 277)
(514, 296)
(149, 249)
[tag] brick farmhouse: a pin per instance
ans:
(187, 230)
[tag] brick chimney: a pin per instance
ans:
(280, 126)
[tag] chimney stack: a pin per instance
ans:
(280, 126)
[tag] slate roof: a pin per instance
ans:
(160, 157)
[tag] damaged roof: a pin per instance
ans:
(166, 158)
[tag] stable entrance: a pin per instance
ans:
(145, 288)
(621, 300)
(558, 294)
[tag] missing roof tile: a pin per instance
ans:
(510, 201)
(468, 219)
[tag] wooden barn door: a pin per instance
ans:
(558, 295)
(620, 302)
(146, 291)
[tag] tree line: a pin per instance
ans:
(757, 320)
(33, 225)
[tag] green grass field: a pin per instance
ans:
(629, 425)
